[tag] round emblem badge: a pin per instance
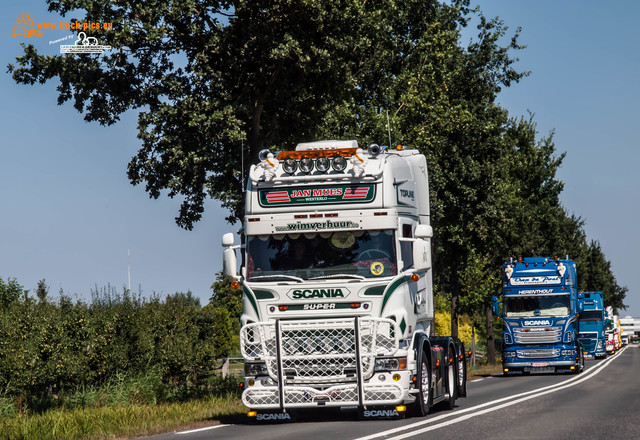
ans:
(376, 268)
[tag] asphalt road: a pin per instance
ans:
(601, 402)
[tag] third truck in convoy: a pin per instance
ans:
(539, 316)
(592, 325)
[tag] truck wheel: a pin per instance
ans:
(423, 399)
(462, 372)
(580, 365)
(452, 379)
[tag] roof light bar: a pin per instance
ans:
(314, 154)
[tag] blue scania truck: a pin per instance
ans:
(539, 316)
(592, 325)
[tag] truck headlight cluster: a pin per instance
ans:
(568, 352)
(391, 364)
(509, 354)
(255, 369)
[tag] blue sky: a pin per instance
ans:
(70, 216)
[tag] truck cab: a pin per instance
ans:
(539, 316)
(592, 325)
(337, 284)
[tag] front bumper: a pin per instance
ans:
(380, 390)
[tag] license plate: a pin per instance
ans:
(539, 364)
(541, 370)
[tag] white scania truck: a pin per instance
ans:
(336, 285)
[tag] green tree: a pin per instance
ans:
(210, 76)
(10, 291)
(42, 290)
(227, 298)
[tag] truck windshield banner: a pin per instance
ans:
(318, 195)
(541, 280)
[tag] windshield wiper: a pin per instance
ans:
(340, 275)
(271, 277)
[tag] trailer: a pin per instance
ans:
(336, 282)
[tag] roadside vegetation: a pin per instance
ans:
(120, 365)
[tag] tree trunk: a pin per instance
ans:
(454, 314)
(491, 340)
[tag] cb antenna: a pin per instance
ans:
(388, 128)
(242, 164)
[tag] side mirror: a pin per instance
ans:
(421, 255)
(229, 258)
(228, 239)
(424, 231)
(230, 263)
(495, 305)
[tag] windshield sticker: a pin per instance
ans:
(314, 226)
(541, 280)
(314, 196)
(343, 240)
(376, 268)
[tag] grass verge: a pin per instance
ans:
(119, 421)
(483, 371)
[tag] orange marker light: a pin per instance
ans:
(235, 285)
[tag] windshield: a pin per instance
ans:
(591, 315)
(533, 306)
(347, 254)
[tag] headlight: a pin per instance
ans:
(289, 166)
(339, 163)
(391, 364)
(306, 164)
(322, 164)
(568, 352)
(255, 369)
(509, 354)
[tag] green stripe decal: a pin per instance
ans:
(375, 291)
(251, 298)
(392, 287)
(263, 294)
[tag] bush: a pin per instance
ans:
(130, 349)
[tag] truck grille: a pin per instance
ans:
(588, 341)
(537, 335)
(538, 353)
(319, 351)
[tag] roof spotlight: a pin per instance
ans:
(339, 163)
(306, 164)
(262, 155)
(374, 149)
(322, 164)
(289, 166)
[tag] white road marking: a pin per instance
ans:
(191, 431)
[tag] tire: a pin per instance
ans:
(452, 379)
(580, 365)
(462, 372)
(424, 397)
